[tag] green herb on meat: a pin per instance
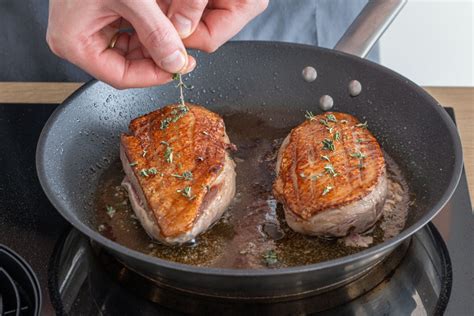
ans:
(309, 115)
(337, 136)
(270, 257)
(324, 122)
(110, 211)
(152, 171)
(168, 152)
(165, 123)
(328, 144)
(327, 189)
(362, 125)
(187, 192)
(358, 155)
(329, 168)
(325, 157)
(187, 176)
(331, 118)
(133, 164)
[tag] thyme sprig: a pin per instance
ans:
(182, 109)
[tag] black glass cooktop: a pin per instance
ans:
(31, 227)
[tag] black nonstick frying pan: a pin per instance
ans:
(263, 78)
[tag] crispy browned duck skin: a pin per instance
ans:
(179, 175)
(331, 176)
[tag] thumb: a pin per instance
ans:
(186, 14)
(157, 34)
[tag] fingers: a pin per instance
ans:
(120, 71)
(222, 22)
(117, 66)
(185, 15)
(156, 33)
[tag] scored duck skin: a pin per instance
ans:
(179, 176)
(331, 176)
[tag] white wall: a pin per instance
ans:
(431, 43)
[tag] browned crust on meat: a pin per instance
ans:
(199, 145)
(302, 178)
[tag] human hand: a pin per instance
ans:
(81, 32)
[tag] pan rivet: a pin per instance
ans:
(354, 88)
(326, 102)
(309, 74)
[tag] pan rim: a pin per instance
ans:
(228, 272)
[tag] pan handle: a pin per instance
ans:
(369, 25)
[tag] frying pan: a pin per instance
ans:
(82, 138)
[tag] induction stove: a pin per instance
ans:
(433, 277)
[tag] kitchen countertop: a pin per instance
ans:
(459, 98)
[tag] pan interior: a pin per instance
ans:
(81, 139)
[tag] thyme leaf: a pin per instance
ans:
(152, 171)
(165, 123)
(270, 257)
(168, 152)
(144, 173)
(324, 122)
(309, 115)
(362, 125)
(110, 211)
(187, 192)
(329, 168)
(133, 164)
(358, 155)
(327, 189)
(187, 176)
(328, 144)
(337, 136)
(331, 118)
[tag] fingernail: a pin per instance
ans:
(174, 62)
(190, 66)
(182, 24)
